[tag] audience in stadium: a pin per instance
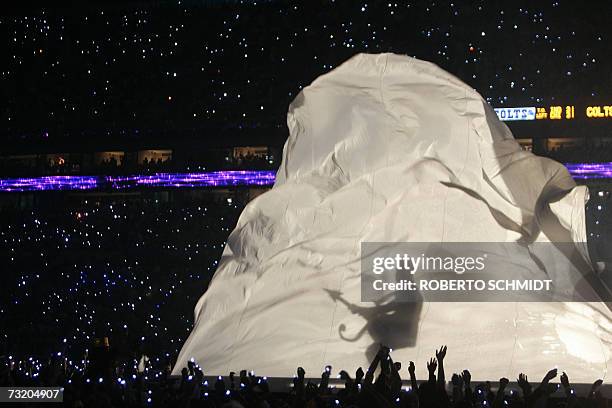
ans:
(79, 269)
(108, 382)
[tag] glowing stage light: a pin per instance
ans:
(582, 171)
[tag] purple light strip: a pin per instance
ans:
(587, 171)
(583, 171)
(168, 180)
(181, 180)
(49, 183)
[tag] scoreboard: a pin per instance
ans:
(554, 112)
(516, 113)
(599, 111)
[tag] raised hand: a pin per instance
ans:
(432, 365)
(595, 388)
(413, 380)
(327, 371)
(359, 374)
(440, 354)
(456, 380)
(411, 368)
(232, 375)
(324, 384)
(499, 398)
(383, 351)
(550, 375)
(523, 382)
(564, 380)
(467, 377)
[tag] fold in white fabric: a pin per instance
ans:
(388, 148)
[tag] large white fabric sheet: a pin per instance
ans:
(391, 148)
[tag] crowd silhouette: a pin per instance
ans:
(109, 382)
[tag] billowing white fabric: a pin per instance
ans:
(390, 148)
